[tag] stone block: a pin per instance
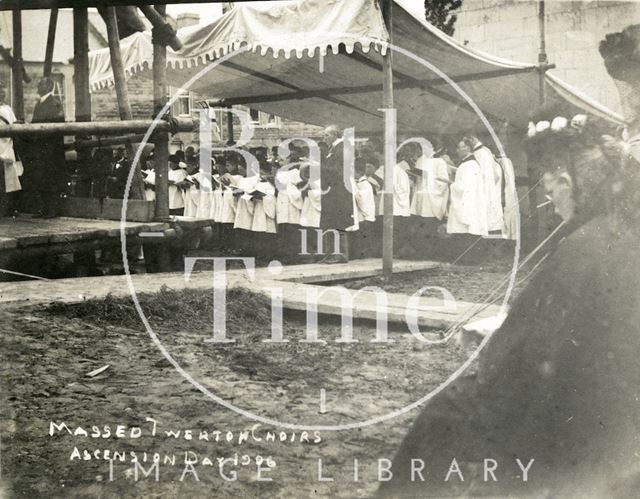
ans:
(138, 210)
(80, 207)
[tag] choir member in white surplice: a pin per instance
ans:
(216, 200)
(401, 200)
(492, 176)
(312, 206)
(364, 239)
(192, 191)
(177, 174)
(12, 167)
(205, 191)
(365, 200)
(229, 201)
(289, 202)
(401, 189)
(468, 208)
(428, 205)
(432, 188)
(264, 213)
(149, 179)
(245, 207)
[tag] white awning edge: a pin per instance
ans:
(284, 29)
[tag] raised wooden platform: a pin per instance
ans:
(28, 235)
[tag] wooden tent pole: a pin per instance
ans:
(81, 64)
(113, 38)
(387, 197)
(230, 137)
(18, 68)
(161, 149)
(51, 40)
(542, 54)
(122, 95)
(533, 172)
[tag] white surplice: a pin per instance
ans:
(312, 206)
(264, 213)
(7, 154)
(365, 200)
(468, 209)
(432, 189)
(401, 190)
(492, 176)
(245, 205)
(149, 181)
(289, 200)
(229, 201)
(191, 197)
(206, 196)
(176, 195)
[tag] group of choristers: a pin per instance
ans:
(426, 186)
(226, 195)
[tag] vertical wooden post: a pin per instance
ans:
(18, 68)
(389, 164)
(51, 41)
(532, 171)
(122, 95)
(230, 137)
(542, 54)
(161, 141)
(81, 63)
(113, 38)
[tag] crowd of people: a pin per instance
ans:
(471, 197)
(431, 194)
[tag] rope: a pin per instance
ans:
(489, 298)
(5, 271)
(508, 211)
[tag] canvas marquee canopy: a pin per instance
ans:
(320, 62)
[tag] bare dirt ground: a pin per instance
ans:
(47, 353)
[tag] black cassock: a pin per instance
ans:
(43, 156)
(337, 201)
(559, 383)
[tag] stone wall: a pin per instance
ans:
(509, 29)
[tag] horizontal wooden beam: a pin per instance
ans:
(95, 128)
(104, 142)
(61, 4)
(427, 84)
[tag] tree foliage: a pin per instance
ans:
(440, 13)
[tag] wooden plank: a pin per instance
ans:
(356, 269)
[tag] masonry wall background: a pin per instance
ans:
(509, 29)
